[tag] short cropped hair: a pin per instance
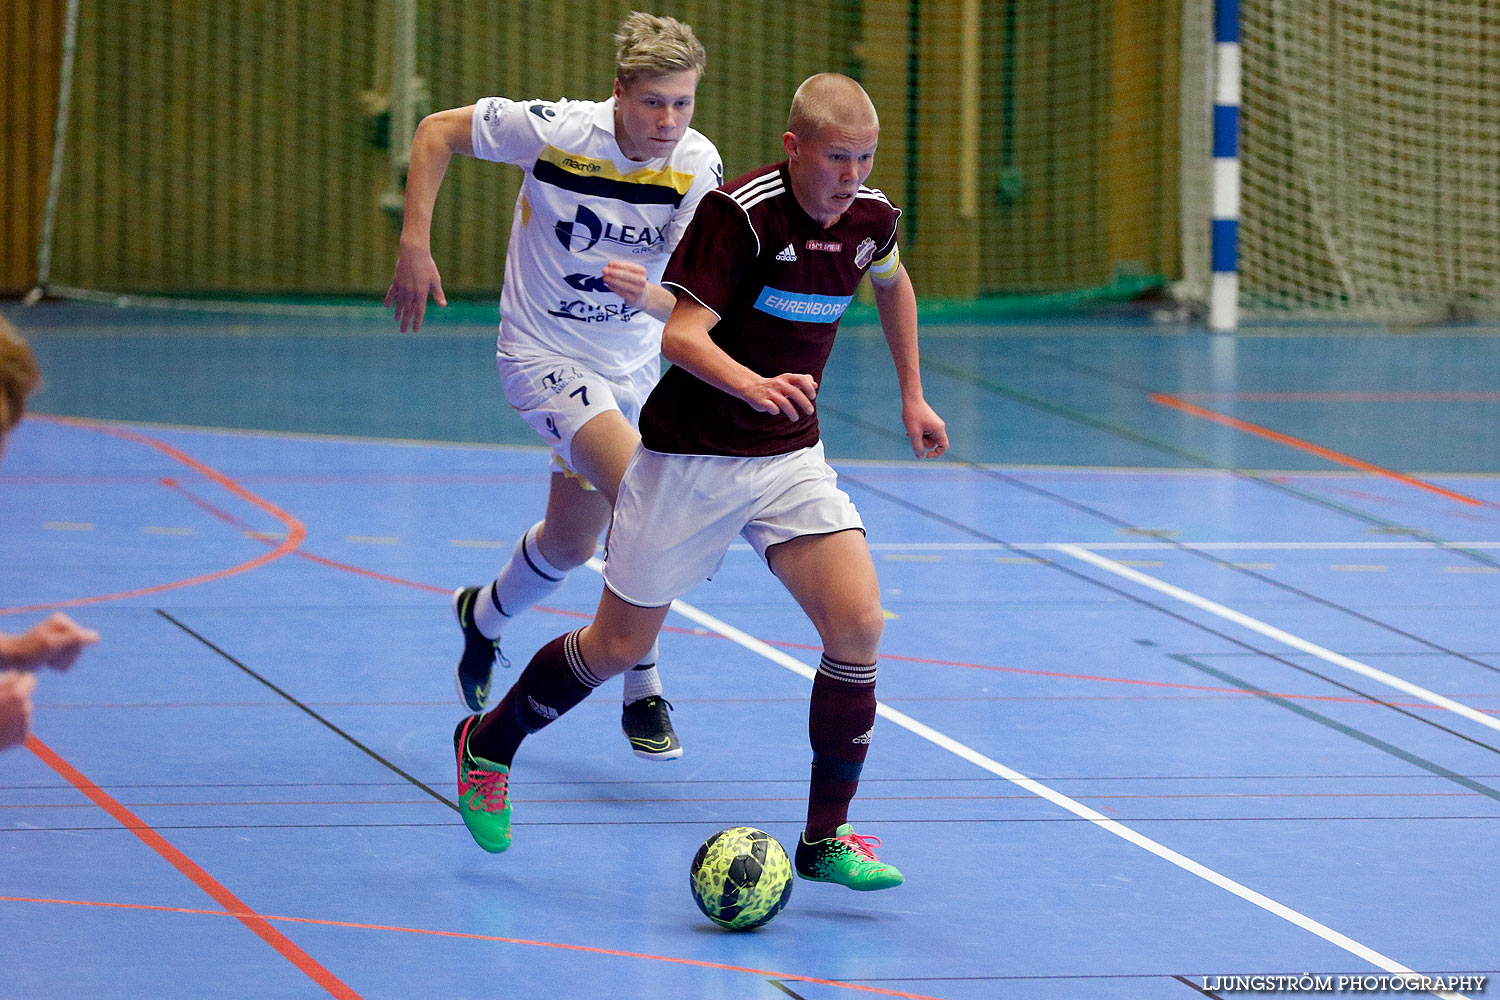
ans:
(19, 377)
(649, 45)
(830, 99)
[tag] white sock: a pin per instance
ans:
(527, 578)
(642, 680)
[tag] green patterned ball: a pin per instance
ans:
(741, 878)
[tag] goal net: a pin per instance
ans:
(1370, 158)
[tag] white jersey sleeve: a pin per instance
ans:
(508, 131)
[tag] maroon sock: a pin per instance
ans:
(839, 722)
(554, 681)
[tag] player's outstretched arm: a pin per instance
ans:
(685, 342)
(438, 137)
(897, 303)
(54, 643)
(627, 279)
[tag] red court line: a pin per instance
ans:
(1351, 397)
(295, 531)
(416, 585)
(679, 630)
(202, 879)
(697, 963)
(1340, 458)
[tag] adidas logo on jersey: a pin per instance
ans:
(789, 254)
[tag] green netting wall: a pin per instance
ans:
(242, 146)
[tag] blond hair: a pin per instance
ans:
(649, 45)
(19, 377)
(830, 99)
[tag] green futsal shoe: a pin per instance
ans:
(483, 793)
(845, 858)
(480, 653)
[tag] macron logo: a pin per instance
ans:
(789, 254)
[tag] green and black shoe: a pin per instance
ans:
(649, 729)
(480, 653)
(845, 858)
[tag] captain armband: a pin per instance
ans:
(886, 267)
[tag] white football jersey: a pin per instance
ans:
(582, 204)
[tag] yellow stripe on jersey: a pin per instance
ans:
(588, 166)
(885, 267)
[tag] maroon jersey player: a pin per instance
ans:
(730, 449)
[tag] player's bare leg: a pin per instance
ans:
(601, 450)
(620, 634)
(833, 578)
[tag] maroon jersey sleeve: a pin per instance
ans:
(714, 253)
(890, 241)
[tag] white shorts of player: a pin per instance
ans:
(676, 516)
(557, 395)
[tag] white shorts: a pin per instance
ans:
(677, 515)
(557, 395)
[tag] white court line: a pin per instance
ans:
(1154, 545)
(1287, 638)
(1057, 798)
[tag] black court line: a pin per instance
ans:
(1160, 609)
(352, 741)
(799, 782)
(764, 800)
(762, 821)
(1123, 525)
(1196, 988)
(783, 987)
(1340, 727)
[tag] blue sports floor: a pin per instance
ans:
(1192, 670)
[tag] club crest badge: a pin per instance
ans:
(864, 252)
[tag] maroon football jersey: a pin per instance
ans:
(779, 283)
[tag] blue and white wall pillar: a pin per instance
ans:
(1224, 293)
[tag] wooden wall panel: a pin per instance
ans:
(30, 53)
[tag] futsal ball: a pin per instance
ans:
(741, 878)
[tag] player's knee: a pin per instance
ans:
(566, 550)
(869, 626)
(573, 552)
(856, 632)
(619, 653)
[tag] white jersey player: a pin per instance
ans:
(609, 190)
